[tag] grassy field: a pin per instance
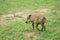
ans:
(11, 6)
(22, 31)
(19, 30)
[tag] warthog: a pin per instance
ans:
(36, 19)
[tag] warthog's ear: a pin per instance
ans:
(30, 15)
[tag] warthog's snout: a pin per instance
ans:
(26, 22)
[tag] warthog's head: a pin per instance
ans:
(28, 19)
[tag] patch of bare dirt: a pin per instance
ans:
(31, 34)
(18, 16)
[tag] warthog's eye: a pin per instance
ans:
(27, 21)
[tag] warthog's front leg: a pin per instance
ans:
(33, 25)
(37, 27)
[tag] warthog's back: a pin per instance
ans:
(37, 18)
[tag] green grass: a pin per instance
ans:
(19, 5)
(15, 32)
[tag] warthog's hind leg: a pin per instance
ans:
(43, 27)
